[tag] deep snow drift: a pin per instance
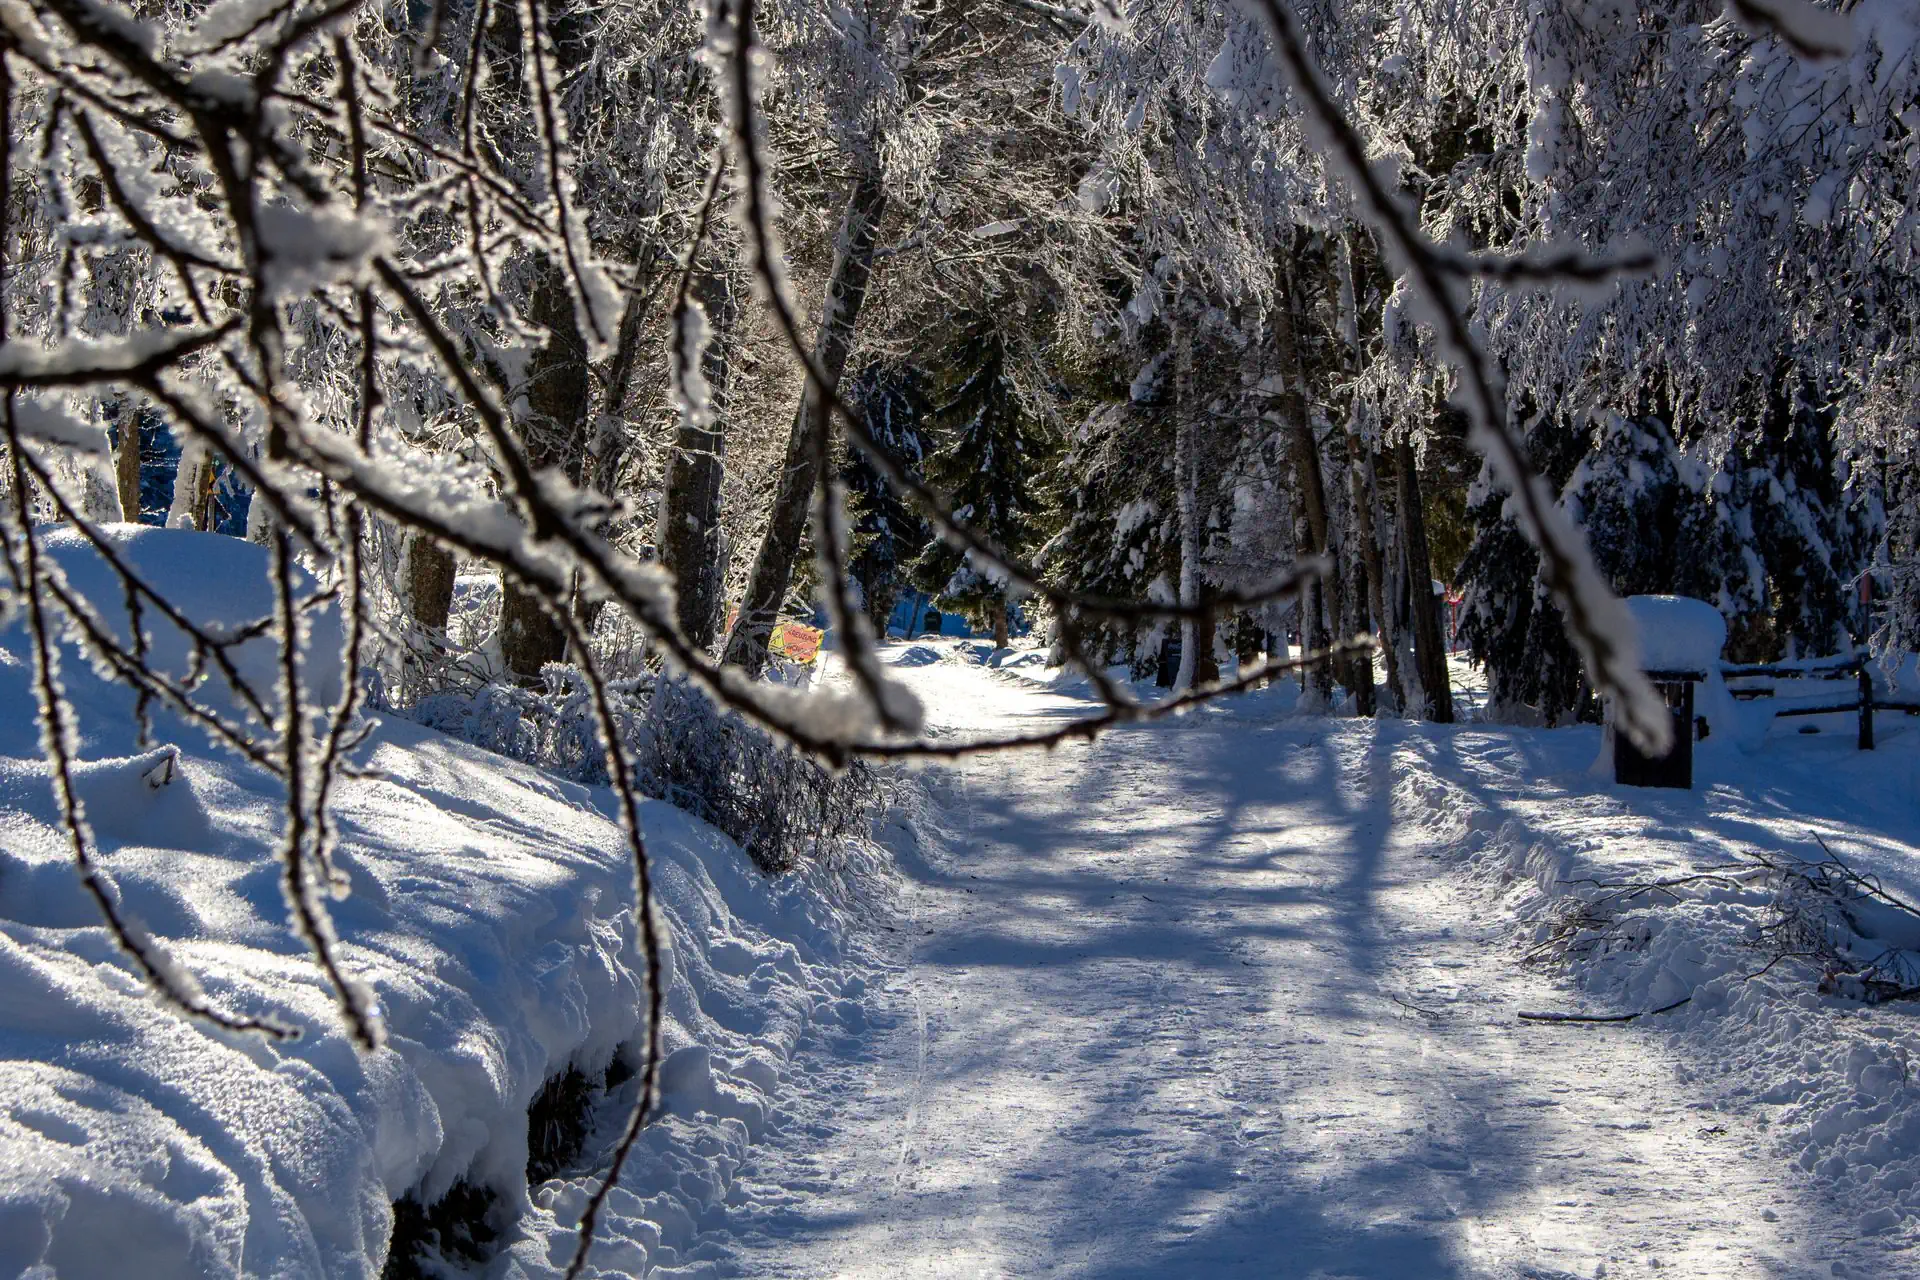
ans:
(492, 913)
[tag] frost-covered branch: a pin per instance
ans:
(1597, 623)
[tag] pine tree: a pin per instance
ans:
(990, 468)
(1801, 522)
(1508, 622)
(1716, 558)
(887, 533)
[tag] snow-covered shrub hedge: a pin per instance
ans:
(776, 803)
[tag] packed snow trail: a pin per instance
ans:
(1191, 1002)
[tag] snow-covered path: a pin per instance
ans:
(1189, 1002)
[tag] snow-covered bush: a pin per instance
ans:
(776, 803)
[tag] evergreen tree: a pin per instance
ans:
(887, 533)
(1717, 559)
(1508, 622)
(1121, 537)
(989, 468)
(1628, 496)
(1801, 522)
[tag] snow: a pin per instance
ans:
(1235, 994)
(491, 911)
(1229, 994)
(218, 583)
(1678, 634)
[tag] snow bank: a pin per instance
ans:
(491, 912)
(220, 583)
(1830, 1078)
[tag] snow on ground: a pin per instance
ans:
(492, 913)
(1825, 1083)
(1232, 995)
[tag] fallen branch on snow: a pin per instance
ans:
(1601, 1017)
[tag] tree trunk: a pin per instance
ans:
(1206, 667)
(693, 547)
(429, 583)
(1365, 600)
(1186, 468)
(1001, 638)
(192, 487)
(1365, 477)
(846, 293)
(126, 462)
(1312, 492)
(1429, 645)
(552, 432)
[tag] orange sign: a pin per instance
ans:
(794, 641)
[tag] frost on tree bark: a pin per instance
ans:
(692, 544)
(553, 434)
(846, 293)
(1429, 643)
(192, 487)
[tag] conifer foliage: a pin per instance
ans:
(888, 535)
(990, 466)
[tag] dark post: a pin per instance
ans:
(1674, 769)
(1866, 708)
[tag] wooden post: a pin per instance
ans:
(1866, 708)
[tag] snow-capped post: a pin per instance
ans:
(1681, 642)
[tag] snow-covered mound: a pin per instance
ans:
(492, 913)
(219, 583)
(1678, 633)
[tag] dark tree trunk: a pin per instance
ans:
(1000, 636)
(1206, 668)
(693, 547)
(552, 433)
(126, 462)
(1311, 488)
(1366, 482)
(1369, 605)
(429, 581)
(1429, 643)
(846, 293)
